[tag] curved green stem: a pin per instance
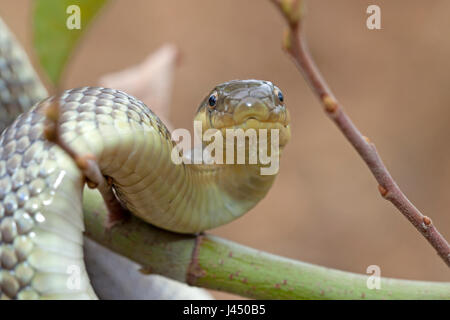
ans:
(211, 262)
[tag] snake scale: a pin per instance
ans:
(41, 218)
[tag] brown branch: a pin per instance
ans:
(295, 45)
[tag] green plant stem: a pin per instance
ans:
(211, 262)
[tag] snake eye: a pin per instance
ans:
(280, 96)
(212, 100)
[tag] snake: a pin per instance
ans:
(41, 216)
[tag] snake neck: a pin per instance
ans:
(243, 172)
(185, 198)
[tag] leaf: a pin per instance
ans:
(53, 40)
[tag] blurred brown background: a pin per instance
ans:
(324, 207)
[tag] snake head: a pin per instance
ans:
(245, 104)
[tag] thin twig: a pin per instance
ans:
(295, 45)
(86, 163)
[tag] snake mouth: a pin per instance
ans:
(252, 123)
(258, 115)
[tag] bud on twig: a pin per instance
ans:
(293, 10)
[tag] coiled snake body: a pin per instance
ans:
(41, 219)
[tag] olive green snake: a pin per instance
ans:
(41, 218)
